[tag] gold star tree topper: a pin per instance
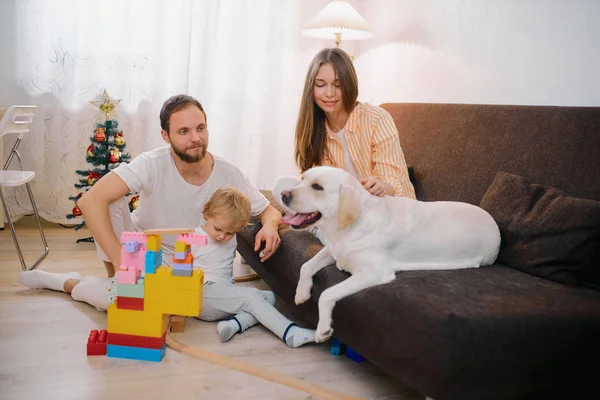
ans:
(106, 105)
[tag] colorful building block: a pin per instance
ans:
(153, 261)
(137, 341)
(135, 353)
(181, 246)
(137, 320)
(181, 255)
(337, 347)
(177, 324)
(140, 237)
(181, 272)
(188, 259)
(353, 355)
(128, 276)
(154, 242)
(133, 246)
(96, 343)
(193, 239)
(130, 303)
(128, 290)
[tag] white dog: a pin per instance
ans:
(373, 237)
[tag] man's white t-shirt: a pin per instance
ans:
(215, 259)
(168, 201)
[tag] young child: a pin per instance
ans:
(239, 308)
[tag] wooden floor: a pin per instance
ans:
(43, 335)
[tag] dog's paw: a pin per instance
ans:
(302, 293)
(324, 332)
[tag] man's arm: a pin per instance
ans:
(94, 207)
(269, 233)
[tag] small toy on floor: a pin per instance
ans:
(337, 348)
(96, 343)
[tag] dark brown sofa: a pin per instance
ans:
(489, 333)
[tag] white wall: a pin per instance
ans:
(480, 51)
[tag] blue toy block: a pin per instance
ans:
(180, 255)
(182, 267)
(135, 353)
(353, 355)
(337, 347)
(132, 246)
(153, 261)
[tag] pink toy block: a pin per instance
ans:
(193, 238)
(128, 276)
(139, 236)
(137, 260)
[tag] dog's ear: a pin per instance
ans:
(349, 206)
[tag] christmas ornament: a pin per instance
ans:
(100, 136)
(76, 211)
(106, 105)
(133, 203)
(90, 151)
(115, 155)
(119, 139)
(92, 178)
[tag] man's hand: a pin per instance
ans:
(270, 235)
(374, 186)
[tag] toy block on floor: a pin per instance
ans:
(353, 355)
(137, 341)
(137, 320)
(177, 324)
(135, 353)
(96, 343)
(130, 303)
(337, 347)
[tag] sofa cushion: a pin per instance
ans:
(545, 232)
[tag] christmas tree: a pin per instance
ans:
(105, 153)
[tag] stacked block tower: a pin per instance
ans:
(147, 292)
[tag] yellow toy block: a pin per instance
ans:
(154, 243)
(149, 322)
(174, 294)
(181, 246)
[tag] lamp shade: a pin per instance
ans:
(341, 18)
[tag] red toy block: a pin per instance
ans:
(137, 341)
(130, 303)
(96, 343)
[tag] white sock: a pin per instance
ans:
(297, 337)
(94, 291)
(226, 329)
(38, 279)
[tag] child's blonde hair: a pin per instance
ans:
(231, 202)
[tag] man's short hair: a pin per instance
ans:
(174, 104)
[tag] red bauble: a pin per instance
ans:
(133, 203)
(90, 150)
(100, 136)
(76, 211)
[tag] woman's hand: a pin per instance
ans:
(374, 186)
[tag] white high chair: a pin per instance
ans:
(17, 119)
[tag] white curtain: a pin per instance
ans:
(244, 60)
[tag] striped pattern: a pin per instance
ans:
(374, 147)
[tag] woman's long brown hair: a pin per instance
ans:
(311, 135)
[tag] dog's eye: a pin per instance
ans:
(316, 186)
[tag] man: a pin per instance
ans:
(174, 183)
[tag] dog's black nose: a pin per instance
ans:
(286, 197)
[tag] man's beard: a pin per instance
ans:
(190, 158)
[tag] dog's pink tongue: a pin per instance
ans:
(295, 219)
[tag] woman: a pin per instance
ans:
(334, 129)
